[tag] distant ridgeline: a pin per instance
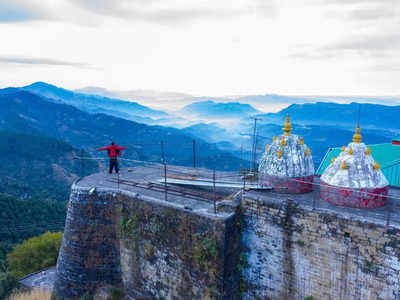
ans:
(26, 112)
(38, 167)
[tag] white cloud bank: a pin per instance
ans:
(204, 47)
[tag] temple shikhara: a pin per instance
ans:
(287, 164)
(354, 178)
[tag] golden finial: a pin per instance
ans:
(350, 151)
(376, 166)
(301, 141)
(283, 143)
(344, 166)
(368, 151)
(308, 152)
(343, 148)
(357, 135)
(333, 159)
(287, 127)
(274, 139)
(280, 152)
(266, 147)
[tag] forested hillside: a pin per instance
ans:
(21, 219)
(37, 167)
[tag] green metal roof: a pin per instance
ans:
(387, 155)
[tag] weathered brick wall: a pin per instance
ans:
(294, 253)
(171, 253)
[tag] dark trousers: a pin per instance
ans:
(113, 164)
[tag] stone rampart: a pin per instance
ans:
(151, 248)
(295, 253)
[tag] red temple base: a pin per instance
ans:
(288, 185)
(358, 198)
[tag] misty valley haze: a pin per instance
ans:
(227, 123)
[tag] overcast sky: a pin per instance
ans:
(204, 47)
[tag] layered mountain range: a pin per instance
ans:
(43, 128)
(86, 120)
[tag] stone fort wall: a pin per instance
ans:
(294, 253)
(150, 248)
(172, 253)
(264, 248)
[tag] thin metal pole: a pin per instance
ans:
(194, 153)
(165, 181)
(82, 163)
(244, 184)
(241, 158)
(162, 152)
(254, 142)
(118, 179)
(255, 152)
(253, 167)
(215, 197)
(314, 193)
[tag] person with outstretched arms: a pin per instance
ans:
(114, 151)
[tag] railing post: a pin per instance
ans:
(215, 196)
(162, 152)
(82, 164)
(314, 193)
(194, 153)
(241, 159)
(165, 181)
(118, 179)
(244, 186)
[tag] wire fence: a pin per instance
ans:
(363, 202)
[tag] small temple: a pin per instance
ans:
(287, 164)
(354, 178)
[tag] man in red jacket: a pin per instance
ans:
(113, 152)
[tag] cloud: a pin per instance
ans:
(372, 14)
(166, 11)
(21, 11)
(373, 45)
(386, 67)
(39, 61)
(370, 31)
(376, 44)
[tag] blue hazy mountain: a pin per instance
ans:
(273, 99)
(344, 115)
(283, 99)
(211, 109)
(29, 113)
(94, 103)
(210, 132)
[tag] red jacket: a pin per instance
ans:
(113, 150)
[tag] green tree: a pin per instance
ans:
(35, 254)
(7, 284)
